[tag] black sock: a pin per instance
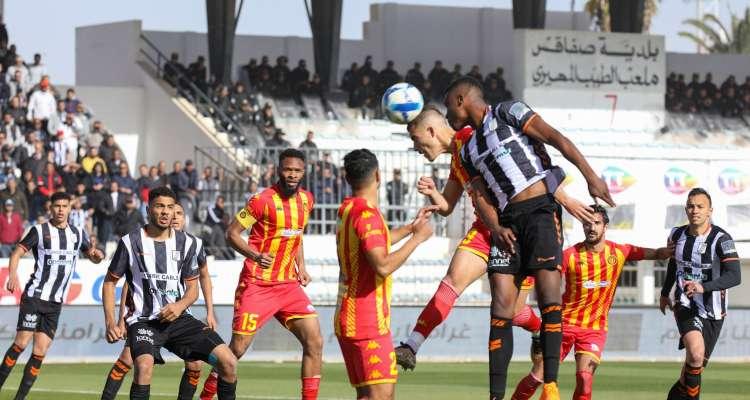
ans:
(225, 390)
(188, 384)
(551, 338)
(692, 377)
(9, 361)
(139, 392)
(30, 373)
(114, 380)
(501, 350)
(677, 392)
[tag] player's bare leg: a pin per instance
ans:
(189, 382)
(225, 364)
(585, 367)
(238, 346)
(117, 373)
(550, 299)
(144, 369)
(689, 384)
(465, 268)
(307, 331)
(504, 289)
(383, 391)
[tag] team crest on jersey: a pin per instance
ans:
(243, 214)
(176, 255)
(611, 260)
(702, 248)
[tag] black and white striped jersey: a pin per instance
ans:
(154, 270)
(508, 160)
(703, 259)
(55, 253)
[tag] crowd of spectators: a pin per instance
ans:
(730, 99)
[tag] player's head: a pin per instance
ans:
(698, 207)
(161, 205)
(361, 168)
(59, 207)
(178, 221)
(464, 100)
(430, 133)
(594, 231)
(291, 170)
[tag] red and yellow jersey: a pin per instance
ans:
(363, 308)
(276, 225)
(458, 174)
(591, 280)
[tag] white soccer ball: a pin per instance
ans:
(402, 102)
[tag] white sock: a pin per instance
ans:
(415, 341)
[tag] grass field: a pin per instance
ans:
(439, 381)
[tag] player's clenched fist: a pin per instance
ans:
(170, 312)
(425, 185)
(13, 284)
(114, 333)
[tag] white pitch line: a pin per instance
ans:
(239, 396)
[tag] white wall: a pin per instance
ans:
(106, 54)
(120, 108)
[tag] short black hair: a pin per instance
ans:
(417, 121)
(59, 196)
(700, 191)
(464, 80)
(601, 210)
(161, 191)
(291, 153)
(359, 165)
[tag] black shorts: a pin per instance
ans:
(689, 320)
(536, 225)
(186, 337)
(38, 316)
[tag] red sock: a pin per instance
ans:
(526, 388)
(437, 310)
(210, 386)
(527, 319)
(584, 383)
(310, 387)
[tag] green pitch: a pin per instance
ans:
(438, 381)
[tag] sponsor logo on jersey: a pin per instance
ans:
(162, 277)
(147, 332)
(518, 110)
(679, 181)
(617, 179)
(733, 181)
(727, 247)
(594, 284)
(176, 255)
(291, 232)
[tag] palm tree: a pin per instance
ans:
(599, 12)
(718, 39)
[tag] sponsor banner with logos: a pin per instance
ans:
(634, 333)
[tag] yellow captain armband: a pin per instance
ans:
(245, 218)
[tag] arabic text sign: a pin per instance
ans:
(594, 60)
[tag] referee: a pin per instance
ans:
(705, 264)
(55, 246)
(161, 269)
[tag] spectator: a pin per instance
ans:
(4, 89)
(308, 142)
(728, 83)
(246, 116)
(192, 176)
(695, 84)
(108, 147)
(162, 169)
(113, 165)
(142, 180)
(250, 72)
(280, 73)
(178, 181)
(493, 93)
(106, 209)
(474, 73)
(197, 73)
(278, 140)
(387, 77)
(326, 193)
(48, 182)
(11, 228)
(12, 131)
(281, 87)
(497, 75)
(18, 86)
(19, 66)
(252, 189)
(439, 77)
(439, 182)
(80, 217)
(98, 177)
(396, 191)
(42, 103)
(16, 110)
(265, 82)
(415, 77)
(96, 136)
(238, 95)
(18, 197)
(709, 86)
(71, 101)
(730, 105)
(745, 87)
(154, 180)
(428, 91)
(268, 177)
(268, 121)
(71, 174)
(91, 159)
(351, 78)
(264, 68)
(298, 77)
(217, 217)
(208, 185)
(36, 163)
(69, 133)
(706, 102)
(362, 96)
(313, 87)
(680, 85)
(456, 72)
(57, 119)
(82, 120)
(60, 148)
(173, 70)
(128, 218)
(125, 182)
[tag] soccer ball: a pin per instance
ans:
(402, 102)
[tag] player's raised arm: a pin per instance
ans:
(243, 221)
(540, 130)
(445, 201)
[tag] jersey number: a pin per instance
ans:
(249, 322)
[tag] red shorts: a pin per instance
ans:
(587, 341)
(477, 241)
(369, 361)
(255, 304)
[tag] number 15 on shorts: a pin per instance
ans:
(249, 322)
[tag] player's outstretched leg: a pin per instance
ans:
(191, 375)
(465, 268)
(116, 374)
